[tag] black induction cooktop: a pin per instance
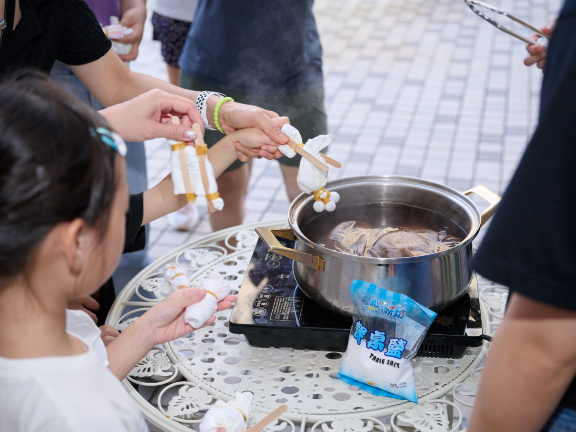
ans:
(272, 311)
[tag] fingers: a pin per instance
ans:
(174, 132)
(270, 127)
(90, 303)
(108, 330)
(131, 55)
(175, 105)
(281, 121)
(186, 297)
(108, 333)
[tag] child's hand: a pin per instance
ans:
(109, 333)
(253, 143)
(85, 303)
(165, 321)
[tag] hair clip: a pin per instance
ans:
(111, 138)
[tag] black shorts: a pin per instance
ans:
(172, 34)
(304, 109)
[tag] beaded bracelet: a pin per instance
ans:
(217, 110)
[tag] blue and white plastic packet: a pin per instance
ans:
(387, 330)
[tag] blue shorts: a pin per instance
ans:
(172, 34)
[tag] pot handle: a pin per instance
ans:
(268, 236)
(489, 196)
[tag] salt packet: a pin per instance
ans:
(387, 330)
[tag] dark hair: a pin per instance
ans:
(52, 169)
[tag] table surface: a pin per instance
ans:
(194, 371)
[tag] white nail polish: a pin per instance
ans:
(190, 134)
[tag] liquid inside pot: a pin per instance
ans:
(382, 230)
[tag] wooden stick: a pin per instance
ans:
(202, 165)
(268, 419)
(332, 162)
(184, 164)
(304, 153)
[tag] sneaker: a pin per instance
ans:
(184, 219)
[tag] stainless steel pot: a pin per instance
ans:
(434, 280)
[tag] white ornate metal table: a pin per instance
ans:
(194, 371)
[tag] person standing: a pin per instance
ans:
(132, 14)
(529, 379)
(172, 20)
(264, 53)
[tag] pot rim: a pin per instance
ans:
(303, 199)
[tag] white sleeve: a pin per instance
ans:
(80, 324)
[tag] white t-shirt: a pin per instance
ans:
(67, 394)
(181, 10)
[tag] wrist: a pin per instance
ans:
(211, 107)
(140, 334)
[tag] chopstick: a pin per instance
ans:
(317, 162)
(269, 418)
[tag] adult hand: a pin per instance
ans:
(253, 143)
(85, 303)
(537, 52)
(234, 116)
(109, 333)
(165, 321)
(148, 116)
(133, 18)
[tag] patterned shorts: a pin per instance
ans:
(172, 34)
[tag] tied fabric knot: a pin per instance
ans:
(311, 179)
(177, 276)
(230, 415)
(318, 195)
(216, 289)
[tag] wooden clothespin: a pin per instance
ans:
(269, 418)
(202, 153)
(181, 149)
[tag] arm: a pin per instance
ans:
(163, 322)
(160, 200)
(530, 365)
(111, 82)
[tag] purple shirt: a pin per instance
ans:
(104, 9)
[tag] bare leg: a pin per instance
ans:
(290, 174)
(232, 187)
(173, 74)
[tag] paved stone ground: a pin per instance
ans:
(413, 87)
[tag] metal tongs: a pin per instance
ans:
(542, 41)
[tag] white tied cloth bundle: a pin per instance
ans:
(177, 276)
(216, 289)
(195, 176)
(231, 416)
(311, 179)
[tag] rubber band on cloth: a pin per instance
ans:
(201, 150)
(179, 146)
(325, 200)
(217, 111)
(212, 196)
(190, 197)
(211, 293)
